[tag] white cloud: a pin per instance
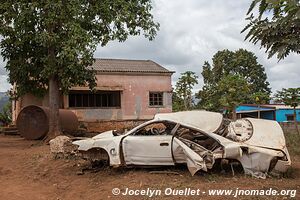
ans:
(4, 85)
(2, 69)
(192, 31)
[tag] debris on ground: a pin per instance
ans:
(62, 147)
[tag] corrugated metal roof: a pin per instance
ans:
(249, 107)
(123, 65)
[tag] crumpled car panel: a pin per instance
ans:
(107, 141)
(259, 145)
(267, 134)
(194, 161)
(206, 121)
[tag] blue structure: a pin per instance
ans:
(284, 115)
(280, 113)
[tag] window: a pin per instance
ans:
(156, 99)
(289, 117)
(190, 136)
(99, 99)
(156, 129)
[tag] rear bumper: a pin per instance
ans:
(282, 165)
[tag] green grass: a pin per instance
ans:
(293, 143)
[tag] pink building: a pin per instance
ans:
(127, 91)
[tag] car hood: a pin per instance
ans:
(107, 134)
(101, 139)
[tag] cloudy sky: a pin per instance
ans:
(191, 32)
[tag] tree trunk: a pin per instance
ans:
(54, 125)
(185, 104)
(295, 120)
(185, 100)
(234, 114)
(189, 102)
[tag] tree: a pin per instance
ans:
(5, 115)
(184, 88)
(49, 45)
(276, 26)
(242, 63)
(234, 90)
(260, 98)
(290, 97)
(177, 102)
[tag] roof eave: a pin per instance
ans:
(134, 72)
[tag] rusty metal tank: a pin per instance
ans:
(33, 122)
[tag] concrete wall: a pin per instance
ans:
(94, 128)
(26, 100)
(281, 114)
(135, 90)
(29, 99)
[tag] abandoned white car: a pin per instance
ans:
(197, 139)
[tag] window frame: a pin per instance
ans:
(96, 96)
(289, 115)
(162, 99)
(143, 126)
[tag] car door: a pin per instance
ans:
(147, 150)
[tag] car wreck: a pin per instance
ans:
(196, 138)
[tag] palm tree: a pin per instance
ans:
(184, 87)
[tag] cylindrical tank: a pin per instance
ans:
(33, 122)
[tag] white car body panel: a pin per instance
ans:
(268, 134)
(147, 150)
(194, 161)
(255, 153)
(106, 141)
(206, 121)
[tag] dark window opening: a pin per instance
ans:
(290, 117)
(157, 128)
(156, 99)
(99, 99)
(188, 135)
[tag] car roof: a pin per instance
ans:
(206, 121)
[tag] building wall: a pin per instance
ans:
(281, 114)
(26, 100)
(135, 90)
(94, 128)
(30, 99)
(252, 111)
(251, 108)
(245, 108)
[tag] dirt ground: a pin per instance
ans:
(29, 171)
